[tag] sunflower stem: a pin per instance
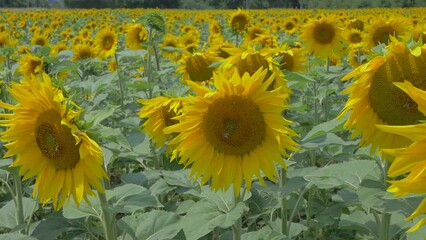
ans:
(283, 204)
(236, 230)
(121, 82)
(297, 205)
(236, 39)
(107, 218)
(148, 62)
(236, 227)
(328, 64)
(18, 203)
(384, 226)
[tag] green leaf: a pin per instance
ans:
(72, 211)
(97, 116)
(153, 225)
(332, 126)
(359, 221)
(348, 174)
(327, 140)
(8, 218)
(264, 233)
(16, 236)
(51, 226)
(131, 197)
(178, 178)
(131, 53)
(216, 209)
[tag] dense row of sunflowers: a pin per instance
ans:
(228, 127)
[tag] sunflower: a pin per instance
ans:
(106, 42)
(135, 35)
(196, 66)
(380, 31)
(322, 36)
(57, 48)
(410, 162)
(189, 42)
(83, 51)
(250, 60)
(6, 40)
(354, 38)
(239, 21)
(233, 132)
(30, 64)
(355, 24)
(47, 145)
(39, 39)
(254, 32)
(172, 42)
(374, 99)
(290, 26)
(159, 113)
(112, 65)
(215, 28)
(291, 59)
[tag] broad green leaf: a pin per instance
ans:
(264, 233)
(131, 197)
(97, 116)
(51, 226)
(327, 140)
(16, 236)
(131, 53)
(359, 221)
(372, 194)
(72, 211)
(178, 178)
(152, 225)
(8, 217)
(216, 209)
(347, 174)
(332, 126)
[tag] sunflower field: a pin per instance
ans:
(213, 124)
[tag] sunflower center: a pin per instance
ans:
(56, 141)
(289, 26)
(40, 42)
(324, 33)
(355, 38)
(239, 22)
(167, 115)
(108, 42)
(390, 103)
(381, 35)
(234, 125)
(33, 64)
(198, 69)
(286, 61)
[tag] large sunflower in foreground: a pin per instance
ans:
(233, 132)
(410, 162)
(322, 37)
(374, 99)
(47, 145)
